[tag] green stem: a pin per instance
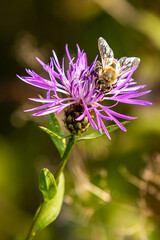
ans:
(31, 232)
(63, 162)
(60, 169)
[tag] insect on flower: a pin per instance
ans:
(79, 90)
(109, 70)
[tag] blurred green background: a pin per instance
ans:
(126, 169)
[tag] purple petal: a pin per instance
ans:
(89, 116)
(53, 109)
(69, 57)
(105, 129)
(44, 84)
(119, 115)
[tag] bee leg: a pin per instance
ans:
(97, 67)
(108, 87)
(99, 84)
(91, 73)
(96, 82)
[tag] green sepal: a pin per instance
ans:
(47, 184)
(55, 127)
(49, 210)
(97, 134)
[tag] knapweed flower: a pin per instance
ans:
(75, 91)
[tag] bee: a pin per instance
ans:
(109, 70)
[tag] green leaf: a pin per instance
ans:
(47, 184)
(49, 210)
(55, 127)
(93, 135)
(53, 134)
(97, 134)
(115, 127)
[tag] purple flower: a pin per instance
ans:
(77, 86)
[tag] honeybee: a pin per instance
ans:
(109, 70)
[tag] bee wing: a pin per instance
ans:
(127, 64)
(106, 52)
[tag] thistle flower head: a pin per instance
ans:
(75, 91)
